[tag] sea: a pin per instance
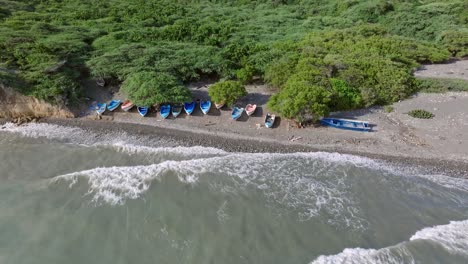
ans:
(69, 195)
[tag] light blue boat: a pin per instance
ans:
(143, 110)
(189, 107)
(347, 124)
(113, 105)
(236, 112)
(205, 106)
(101, 108)
(164, 111)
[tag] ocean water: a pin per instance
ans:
(72, 196)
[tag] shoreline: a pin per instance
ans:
(449, 167)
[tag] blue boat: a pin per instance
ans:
(113, 105)
(143, 110)
(236, 112)
(101, 108)
(355, 125)
(176, 110)
(189, 107)
(164, 111)
(269, 120)
(205, 106)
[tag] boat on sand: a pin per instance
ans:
(355, 125)
(219, 105)
(127, 105)
(250, 109)
(101, 108)
(205, 106)
(114, 104)
(176, 110)
(143, 110)
(269, 120)
(164, 111)
(189, 107)
(236, 112)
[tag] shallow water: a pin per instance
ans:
(71, 196)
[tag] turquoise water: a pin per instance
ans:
(72, 196)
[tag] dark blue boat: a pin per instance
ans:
(143, 110)
(355, 125)
(164, 111)
(189, 107)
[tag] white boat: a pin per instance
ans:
(250, 109)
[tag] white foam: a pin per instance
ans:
(453, 237)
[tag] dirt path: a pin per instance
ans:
(453, 70)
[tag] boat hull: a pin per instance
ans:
(250, 109)
(101, 108)
(176, 110)
(114, 104)
(205, 106)
(165, 111)
(127, 105)
(219, 105)
(270, 120)
(354, 125)
(142, 110)
(189, 107)
(236, 113)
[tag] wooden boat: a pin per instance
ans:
(101, 108)
(219, 105)
(114, 104)
(355, 125)
(236, 112)
(269, 120)
(127, 105)
(164, 111)
(250, 109)
(176, 110)
(189, 107)
(143, 110)
(205, 106)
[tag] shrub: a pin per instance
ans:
(388, 109)
(227, 92)
(149, 88)
(422, 114)
(434, 85)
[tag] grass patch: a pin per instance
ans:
(421, 114)
(437, 85)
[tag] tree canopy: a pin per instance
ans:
(227, 92)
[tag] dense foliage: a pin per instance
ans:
(322, 55)
(226, 92)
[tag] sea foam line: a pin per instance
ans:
(453, 237)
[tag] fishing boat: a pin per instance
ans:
(205, 106)
(250, 109)
(355, 125)
(127, 105)
(176, 110)
(236, 112)
(189, 107)
(113, 105)
(219, 105)
(143, 110)
(101, 108)
(269, 120)
(164, 111)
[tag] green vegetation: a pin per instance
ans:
(388, 109)
(435, 85)
(227, 92)
(422, 114)
(320, 55)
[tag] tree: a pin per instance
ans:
(301, 99)
(149, 88)
(227, 92)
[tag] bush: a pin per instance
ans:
(388, 109)
(434, 85)
(422, 114)
(226, 92)
(149, 88)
